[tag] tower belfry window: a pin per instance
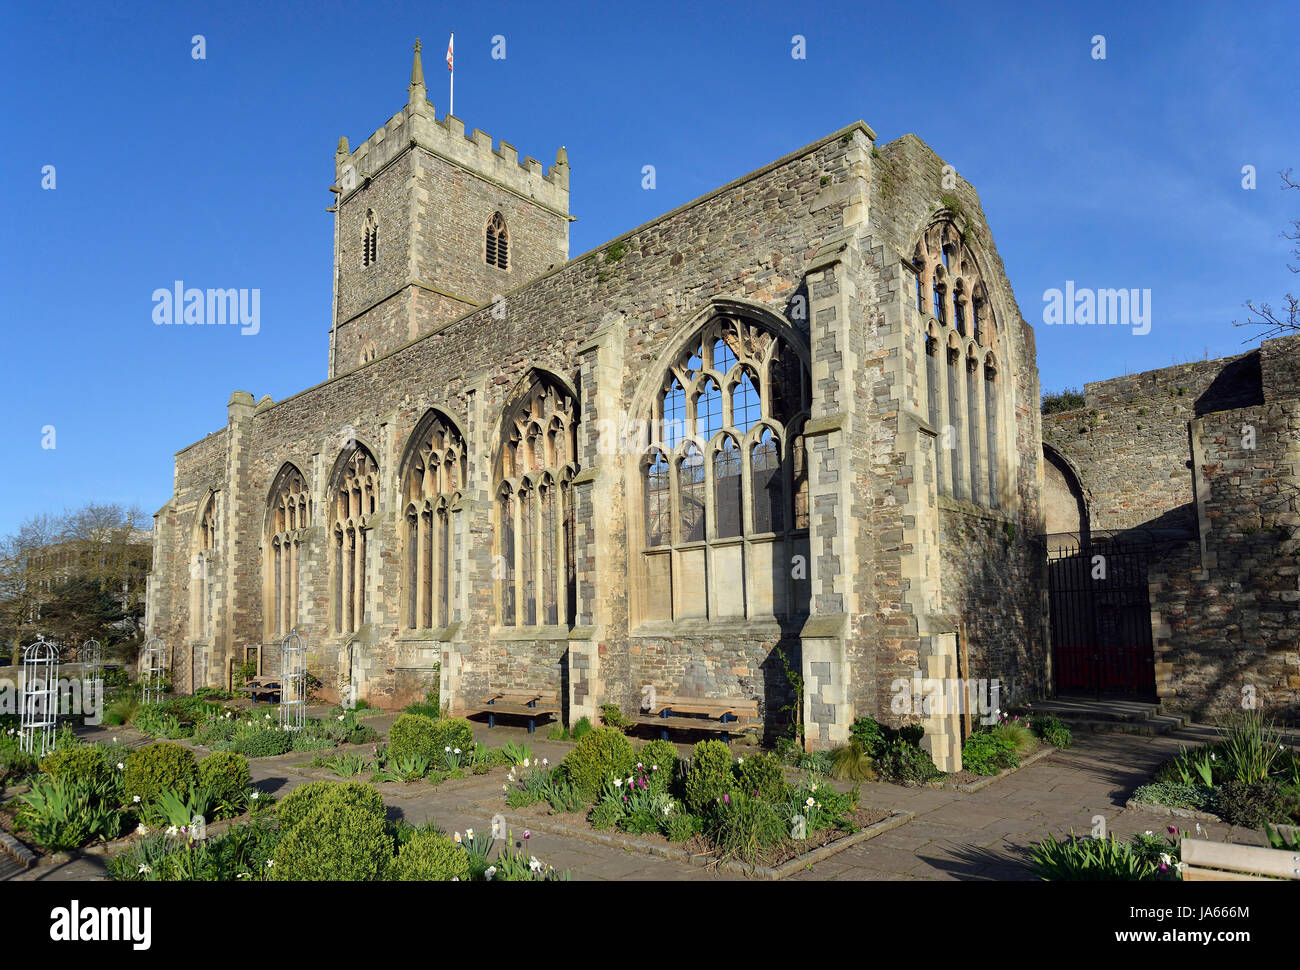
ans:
(370, 240)
(497, 248)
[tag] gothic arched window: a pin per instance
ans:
(354, 502)
(726, 502)
(202, 598)
(432, 478)
(288, 520)
(536, 460)
(962, 392)
(497, 243)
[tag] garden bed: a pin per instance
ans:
(775, 862)
(967, 781)
(1248, 778)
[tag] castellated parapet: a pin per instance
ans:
(417, 124)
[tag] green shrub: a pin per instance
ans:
(612, 716)
(82, 763)
(157, 768)
(600, 755)
(296, 805)
(337, 840)
(661, 753)
(760, 775)
(258, 742)
(453, 732)
(1051, 729)
(870, 733)
(430, 857)
(225, 775)
(906, 764)
(581, 729)
(987, 753)
(415, 735)
(1251, 804)
(709, 777)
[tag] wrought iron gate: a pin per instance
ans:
(1101, 616)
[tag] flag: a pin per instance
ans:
(449, 46)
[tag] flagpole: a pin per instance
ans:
(451, 75)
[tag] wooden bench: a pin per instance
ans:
(719, 715)
(531, 704)
(268, 687)
(1222, 862)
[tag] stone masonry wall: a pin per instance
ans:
(1129, 441)
(1226, 612)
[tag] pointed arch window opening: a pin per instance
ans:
(432, 476)
(497, 242)
(370, 240)
(737, 486)
(290, 518)
(538, 527)
(356, 492)
(964, 410)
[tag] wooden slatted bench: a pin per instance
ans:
(1222, 862)
(531, 704)
(726, 716)
(268, 687)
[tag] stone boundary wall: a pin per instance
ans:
(1226, 610)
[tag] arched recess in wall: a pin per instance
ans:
(202, 561)
(1065, 502)
(353, 501)
(718, 486)
(535, 461)
(432, 525)
(288, 517)
(967, 380)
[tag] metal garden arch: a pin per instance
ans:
(40, 697)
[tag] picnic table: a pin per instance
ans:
(531, 704)
(268, 687)
(719, 715)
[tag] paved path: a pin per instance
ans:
(986, 835)
(983, 835)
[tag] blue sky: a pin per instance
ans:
(1117, 173)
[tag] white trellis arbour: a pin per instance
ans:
(92, 666)
(153, 671)
(293, 682)
(39, 714)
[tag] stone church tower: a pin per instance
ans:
(790, 424)
(410, 245)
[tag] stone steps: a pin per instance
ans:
(1114, 716)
